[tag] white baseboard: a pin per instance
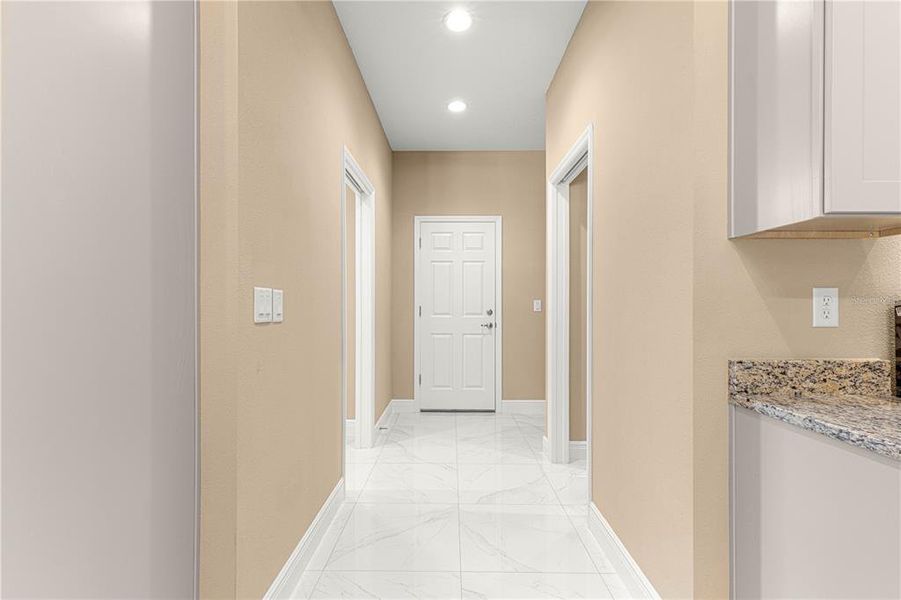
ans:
(384, 419)
(523, 407)
(578, 450)
(402, 405)
(637, 584)
(531, 407)
(286, 581)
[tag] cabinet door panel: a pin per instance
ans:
(863, 107)
(777, 114)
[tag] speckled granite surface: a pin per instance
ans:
(847, 400)
(842, 377)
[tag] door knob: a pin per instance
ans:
(488, 325)
(490, 312)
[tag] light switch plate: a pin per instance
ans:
(278, 306)
(262, 305)
(536, 305)
(825, 307)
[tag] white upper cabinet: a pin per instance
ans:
(815, 119)
(863, 107)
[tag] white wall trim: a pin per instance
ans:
(638, 585)
(287, 579)
(499, 300)
(364, 394)
(385, 418)
(402, 405)
(523, 407)
(578, 450)
(579, 157)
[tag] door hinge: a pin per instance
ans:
(420, 379)
(420, 310)
(420, 242)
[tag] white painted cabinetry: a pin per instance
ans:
(811, 517)
(863, 107)
(815, 119)
(99, 485)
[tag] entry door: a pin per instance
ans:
(457, 310)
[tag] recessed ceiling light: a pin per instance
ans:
(458, 20)
(457, 106)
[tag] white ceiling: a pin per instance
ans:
(501, 67)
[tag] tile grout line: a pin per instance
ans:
(459, 510)
(328, 559)
(570, 520)
(518, 427)
(376, 463)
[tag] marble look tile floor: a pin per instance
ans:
(452, 506)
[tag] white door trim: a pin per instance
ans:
(499, 299)
(364, 394)
(579, 157)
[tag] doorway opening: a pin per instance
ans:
(569, 319)
(458, 313)
(357, 304)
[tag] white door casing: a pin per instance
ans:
(364, 291)
(579, 158)
(457, 313)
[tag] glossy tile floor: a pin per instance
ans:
(460, 506)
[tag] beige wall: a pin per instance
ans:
(628, 71)
(653, 79)
(578, 291)
(752, 298)
(510, 184)
(280, 96)
(218, 256)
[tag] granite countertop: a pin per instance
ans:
(849, 401)
(872, 423)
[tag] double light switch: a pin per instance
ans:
(268, 305)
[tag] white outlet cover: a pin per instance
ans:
(278, 306)
(536, 305)
(825, 307)
(262, 305)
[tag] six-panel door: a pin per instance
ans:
(456, 328)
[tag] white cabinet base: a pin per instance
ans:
(812, 517)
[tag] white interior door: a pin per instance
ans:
(457, 325)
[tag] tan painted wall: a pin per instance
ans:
(578, 290)
(752, 298)
(653, 79)
(628, 70)
(510, 184)
(270, 215)
(218, 256)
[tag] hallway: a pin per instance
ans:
(460, 505)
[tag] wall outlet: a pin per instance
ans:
(825, 307)
(536, 305)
